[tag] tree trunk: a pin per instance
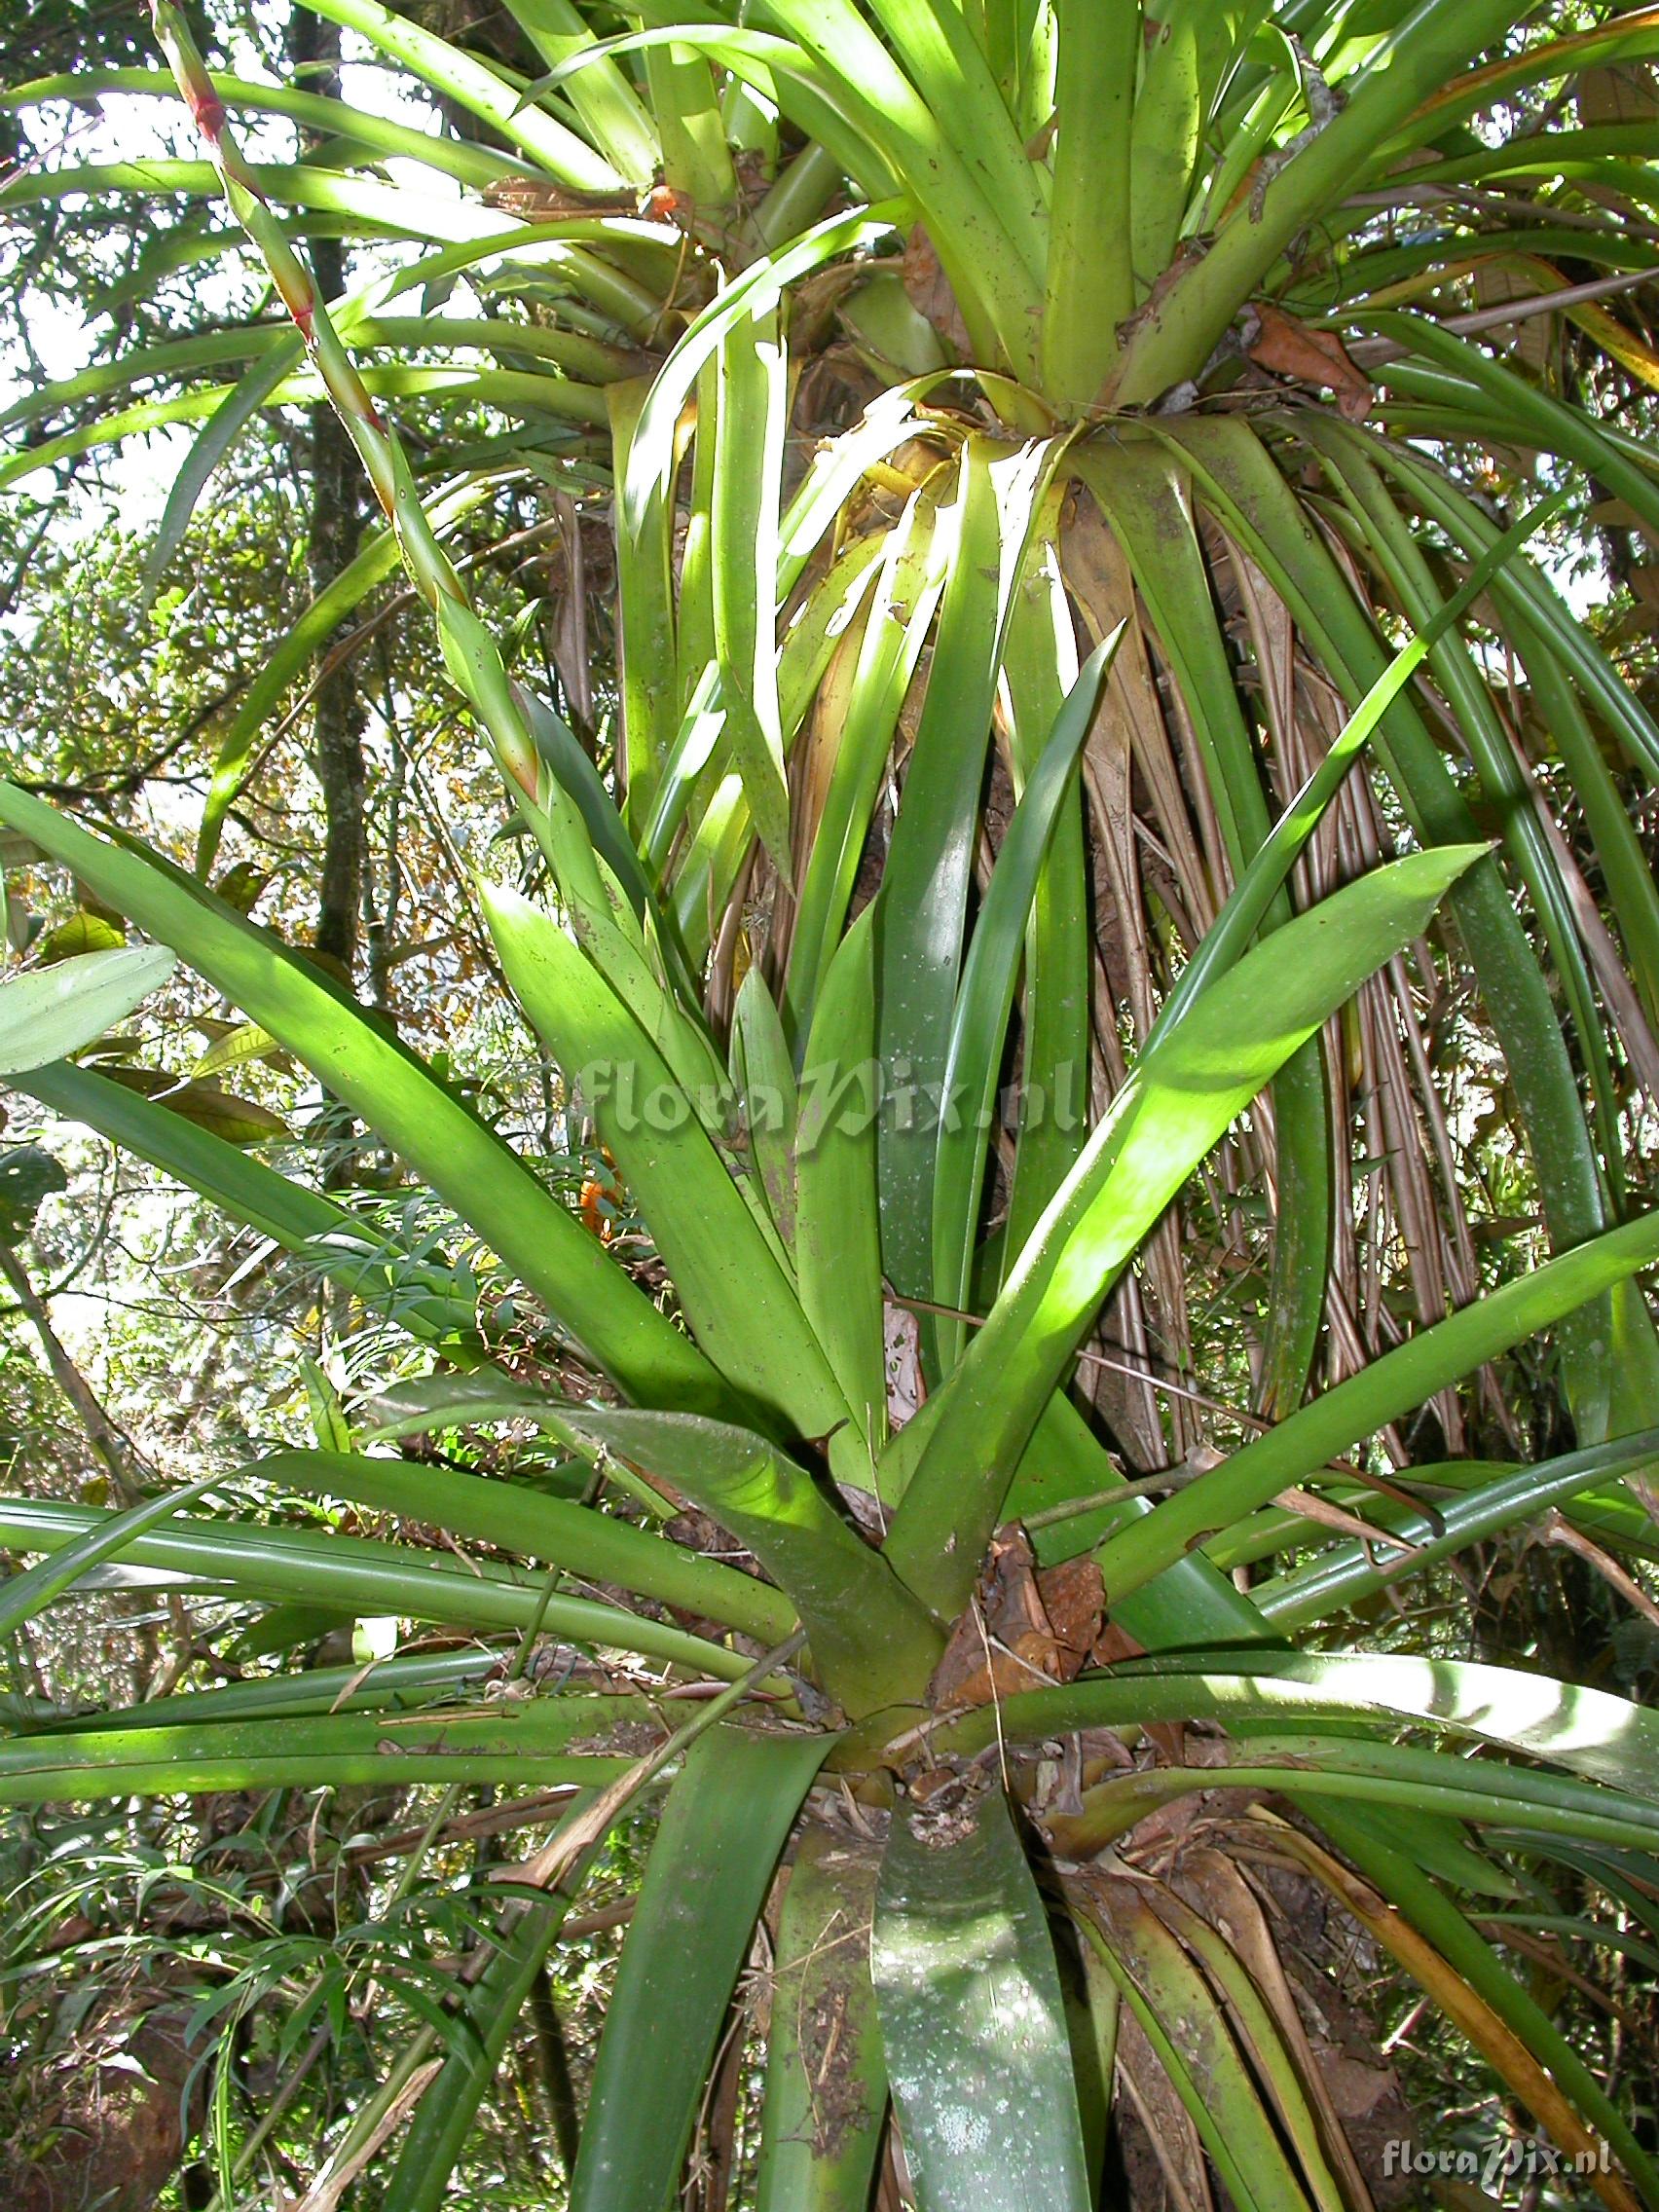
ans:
(116, 2131)
(336, 527)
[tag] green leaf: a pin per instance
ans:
(1407, 1376)
(923, 908)
(243, 1041)
(1558, 429)
(398, 1684)
(710, 1869)
(861, 698)
(1252, 895)
(31, 1593)
(1184, 1091)
(1040, 666)
(577, 1538)
(1090, 288)
(731, 1282)
(470, 83)
(973, 1059)
(55, 1010)
(574, 772)
(278, 1630)
(611, 112)
(81, 933)
(1430, 47)
(837, 1234)
(529, 1743)
(947, 63)
(1188, 2030)
(761, 1064)
(973, 2023)
(845, 89)
(645, 427)
(1610, 1739)
(466, 161)
(361, 1578)
(872, 1644)
(1350, 1573)
(232, 1120)
(748, 472)
(465, 1162)
(826, 2093)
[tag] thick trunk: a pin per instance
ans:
(336, 527)
(115, 2130)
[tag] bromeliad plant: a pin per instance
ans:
(1042, 720)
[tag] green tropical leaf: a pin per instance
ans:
(58, 1010)
(972, 2018)
(1185, 1091)
(711, 1866)
(825, 2084)
(466, 1162)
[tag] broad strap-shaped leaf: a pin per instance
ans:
(765, 1074)
(461, 78)
(1438, 1790)
(612, 114)
(52, 1012)
(1501, 1497)
(711, 1866)
(1406, 1377)
(1188, 2032)
(563, 753)
(1607, 1739)
(973, 2021)
(462, 1160)
(874, 1644)
(837, 1232)
(26, 1595)
(397, 1684)
(861, 702)
(1558, 427)
(356, 1575)
(1090, 288)
(750, 422)
(421, 1296)
(729, 1278)
(922, 915)
(973, 1059)
(646, 458)
(530, 1743)
(826, 2093)
(596, 1546)
(1252, 897)
(1181, 1096)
